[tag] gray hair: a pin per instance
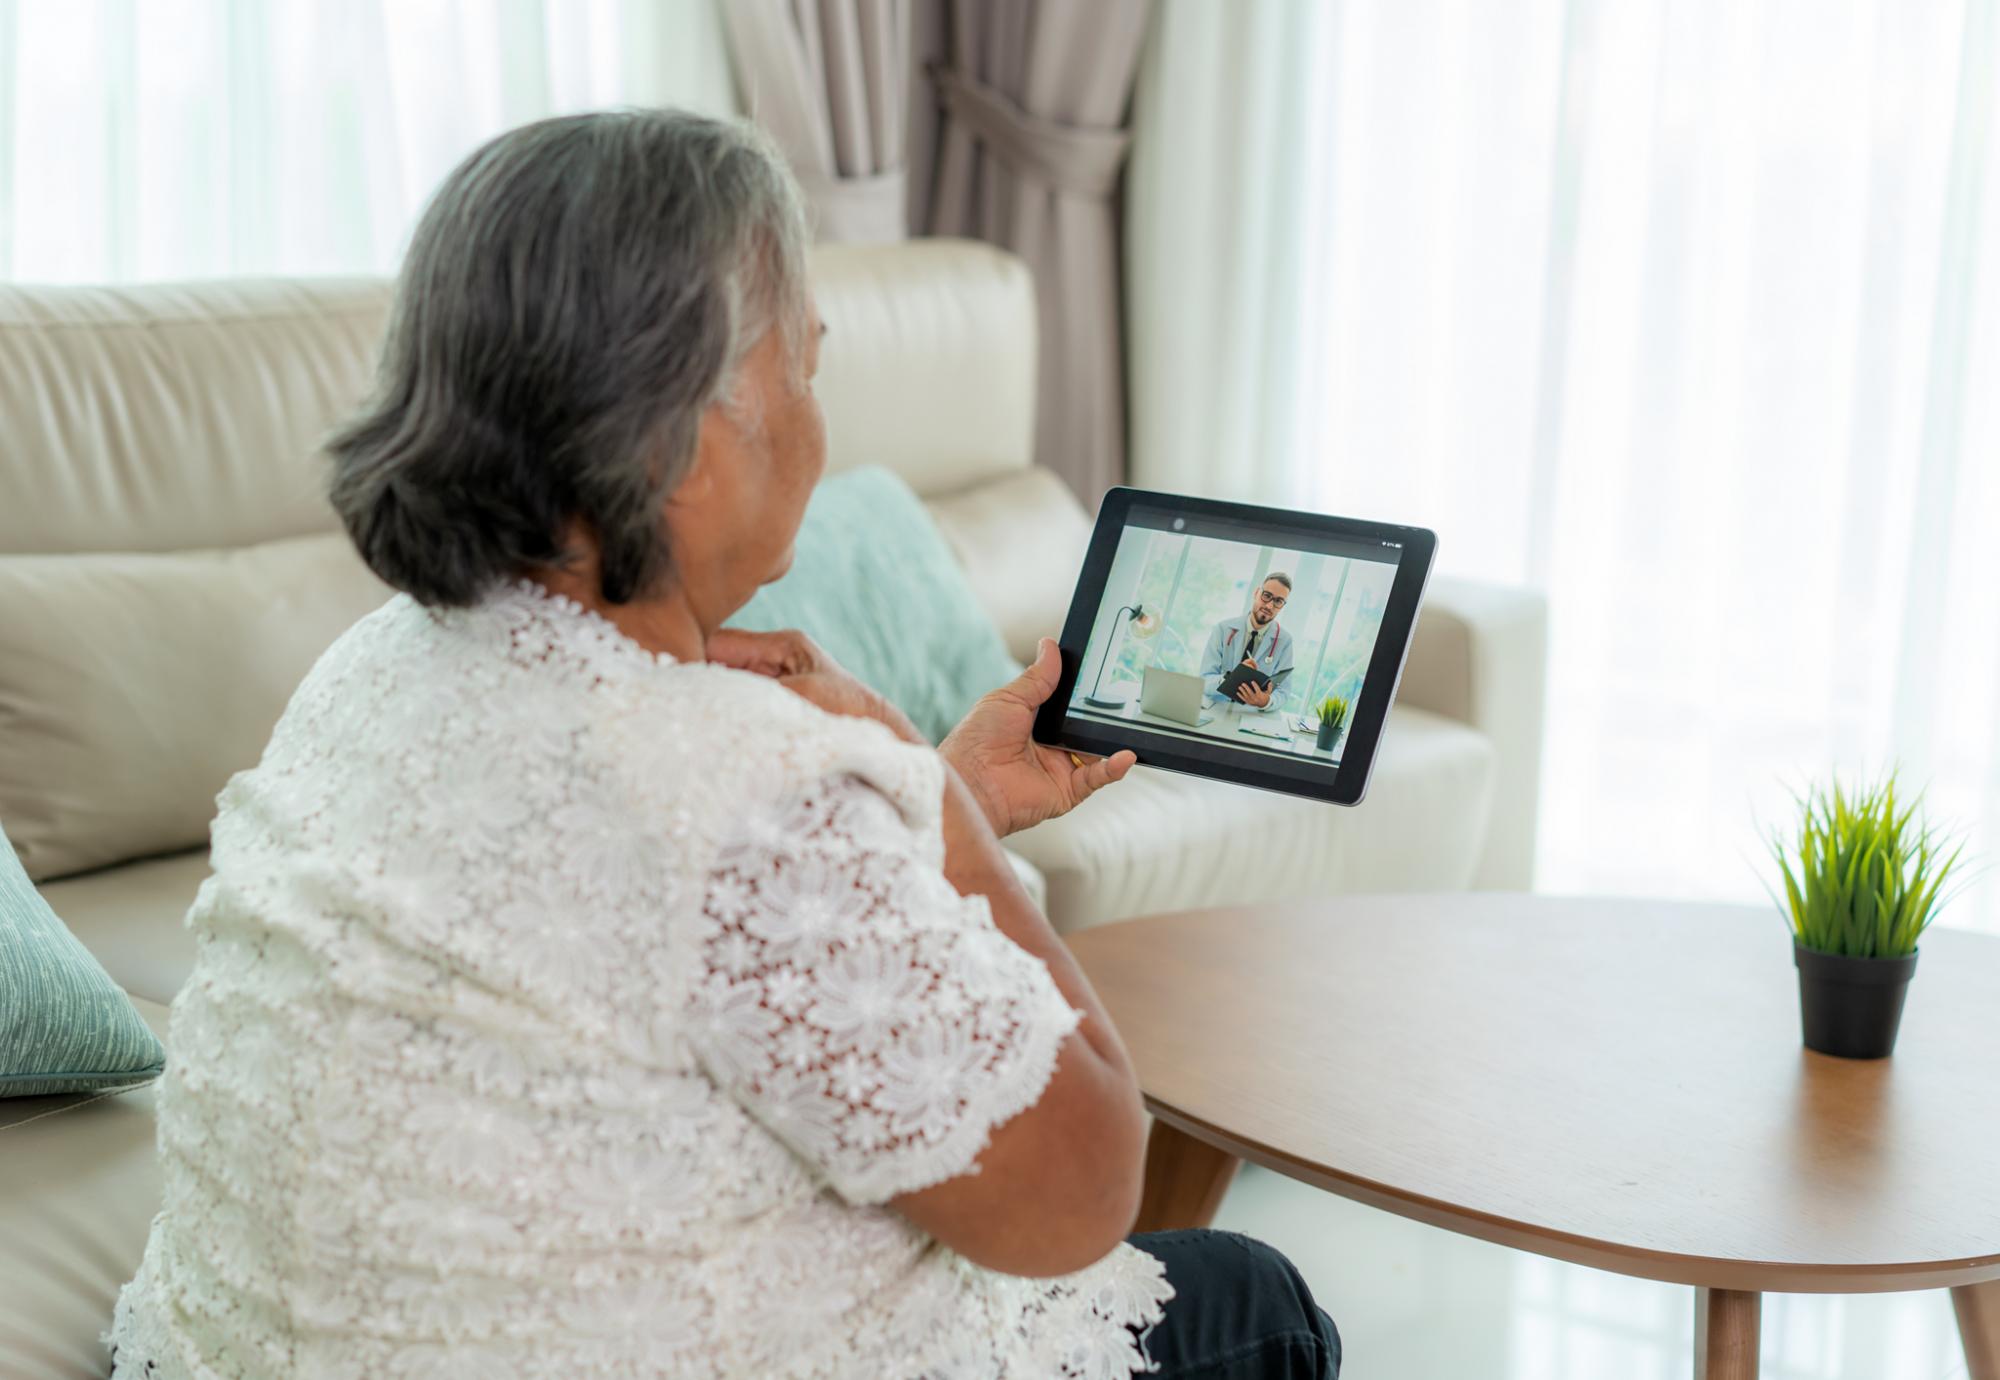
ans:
(577, 294)
(1282, 578)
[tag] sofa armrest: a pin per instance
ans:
(1480, 656)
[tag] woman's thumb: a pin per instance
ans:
(1039, 677)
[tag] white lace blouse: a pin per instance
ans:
(564, 1011)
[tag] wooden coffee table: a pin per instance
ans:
(1615, 1083)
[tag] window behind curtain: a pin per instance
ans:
(156, 139)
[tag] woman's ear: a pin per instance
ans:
(698, 484)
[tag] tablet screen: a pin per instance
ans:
(1216, 626)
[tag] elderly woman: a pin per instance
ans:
(585, 989)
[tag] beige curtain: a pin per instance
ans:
(1035, 96)
(830, 80)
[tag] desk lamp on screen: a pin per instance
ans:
(1137, 622)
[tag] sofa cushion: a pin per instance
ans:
(64, 1025)
(874, 583)
(929, 363)
(76, 1202)
(133, 686)
(1159, 841)
(177, 416)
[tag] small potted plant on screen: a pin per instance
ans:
(1863, 879)
(1332, 716)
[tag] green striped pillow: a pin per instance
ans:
(65, 1026)
(873, 582)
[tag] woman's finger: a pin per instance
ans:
(832, 693)
(786, 653)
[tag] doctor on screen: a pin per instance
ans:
(1254, 639)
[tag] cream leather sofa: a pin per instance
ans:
(162, 527)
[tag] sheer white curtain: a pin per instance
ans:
(1687, 313)
(145, 139)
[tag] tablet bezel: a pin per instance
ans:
(1219, 760)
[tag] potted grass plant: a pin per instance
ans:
(1863, 879)
(1332, 717)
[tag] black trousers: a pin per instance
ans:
(1240, 1311)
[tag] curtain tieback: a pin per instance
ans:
(1082, 160)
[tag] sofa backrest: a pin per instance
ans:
(169, 567)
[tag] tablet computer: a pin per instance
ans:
(1206, 636)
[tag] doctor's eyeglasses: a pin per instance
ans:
(1276, 601)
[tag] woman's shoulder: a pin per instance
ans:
(721, 735)
(524, 673)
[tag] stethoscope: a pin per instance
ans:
(1270, 644)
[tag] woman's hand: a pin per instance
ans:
(802, 666)
(1017, 781)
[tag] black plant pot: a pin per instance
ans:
(1329, 734)
(1851, 1006)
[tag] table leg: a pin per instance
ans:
(1978, 1309)
(1185, 1180)
(1725, 1334)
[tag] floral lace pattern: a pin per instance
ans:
(872, 1018)
(563, 1011)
